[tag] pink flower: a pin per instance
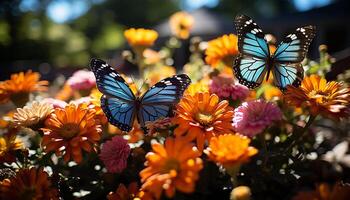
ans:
(82, 80)
(56, 103)
(114, 154)
(226, 88)
(252, 117)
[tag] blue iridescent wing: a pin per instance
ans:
(118, 101)
(159, 100)
(294, 47)
(251, 39)
(110, 82)
(287, 74)
(118, 112)
(250, 71)
(250, 66)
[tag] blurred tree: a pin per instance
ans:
(266, 8)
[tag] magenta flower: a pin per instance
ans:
(252, 117)
(226, 88)
(114, 154)
(82, 80)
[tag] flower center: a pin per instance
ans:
(204, 119)
(319, 96)
(171, 165)
(69, 130)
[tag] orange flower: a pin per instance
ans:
(65, 93)
(28, 184)
(202, 116)
(172, 166)
(230, 149)
(222, 50)
(326, 192)
(123, 193)
(136, 134)
(70, 130)
(329, 99)
(20, 86)
(156, 74)
(140, 37)
(9, 143)
(181, 24)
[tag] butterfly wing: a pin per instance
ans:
(294, 47)
(250, 71)
(288, 56)
(118, 101)
(159, 100)
(287, 74)
(250, 66)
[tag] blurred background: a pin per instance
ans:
(59, 36)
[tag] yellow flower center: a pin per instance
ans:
(172, 165)
(69, 130)
(204, 119)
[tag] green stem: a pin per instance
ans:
(264, 144)
(302, 133)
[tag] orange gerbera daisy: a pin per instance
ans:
(28, 184)
(222, 50)
(202, 116)
(326, 192)
(9, 143)
(170, 167)
(181, 24)
(70, 130)
(329, 99)
(230, 150)
(18, 88)
(140, 37)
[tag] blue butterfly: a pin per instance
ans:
(120, 104)
(255, 59)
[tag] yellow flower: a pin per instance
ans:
(170, 167)
(20, 86)
(155, 74)
(230, 150)
(202, 116)
(194, 88)
(70, 130)
(222, 50)
(330, 99)
(140, 37)
(181, 24)
(33, 114)
(9, 143)
(28, 184)
(241, 193)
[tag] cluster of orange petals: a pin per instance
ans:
(330, 99)
(325, 192)
(70, 130)
(222, 49)
(9, 143)
(170, 167)
(28, 184)
(230, 149)
(21, 84)
(181, 24)
(201, 117)
(140, 37)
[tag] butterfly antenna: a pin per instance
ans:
(143, 83)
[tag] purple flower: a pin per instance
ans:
(252, 117)
(114, 154)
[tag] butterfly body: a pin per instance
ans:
(120, 104)
(255, 60)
